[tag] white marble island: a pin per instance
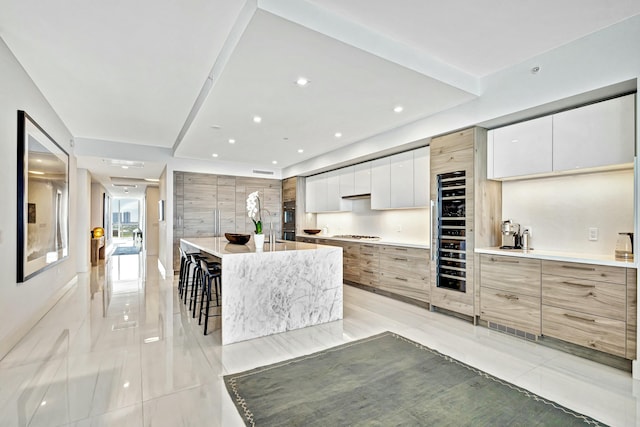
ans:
(288, 286)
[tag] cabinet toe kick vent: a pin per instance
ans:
(512, 331)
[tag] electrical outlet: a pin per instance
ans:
(593, 234)
(399, 228)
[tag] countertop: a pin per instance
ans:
(367, 241)
(220, 246)
(559, 256)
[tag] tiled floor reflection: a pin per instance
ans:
(120, 350)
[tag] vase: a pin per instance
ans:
(258, 239)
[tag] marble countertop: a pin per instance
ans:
(559, 256)
(219, 246)
(367, 241)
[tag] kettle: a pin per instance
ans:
(624, 246)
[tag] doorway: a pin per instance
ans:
(127, 222)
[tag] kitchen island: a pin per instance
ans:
(289, 285)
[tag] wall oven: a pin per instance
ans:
(289, 220)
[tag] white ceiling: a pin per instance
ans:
(131, 72)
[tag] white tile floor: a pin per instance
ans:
(119, 350)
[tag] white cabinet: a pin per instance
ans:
(347, 181)
(401, 176)
(316, 197)
(421, 175)
(333, 191)
(521, 149)
(381, 184)
(600, 134)
(362, 178)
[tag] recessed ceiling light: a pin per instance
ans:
(215, 127)
(302, 81)
(124, 167)
(275, 162)
(232, 141)
(214, 155)
(301, 151)
(338, 134)
(257, 119)
(398, 108)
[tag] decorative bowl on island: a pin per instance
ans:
(237, 239)
(312, 231)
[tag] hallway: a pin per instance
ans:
(119, 350)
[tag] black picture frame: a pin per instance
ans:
(43, 180)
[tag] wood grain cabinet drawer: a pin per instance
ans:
(514, 310)
(369, 277)
(511, 274)
(399, 265)
(402, 251)
(601, 273)
(406, 286)
(598, 333)
(586, 296)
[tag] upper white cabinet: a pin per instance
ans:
(381, 183)
(600, 135)
(596, 135)
(394, 182)
(362, 178)
(401, 171)
(521, 149)
(421, 160)
(316, 197)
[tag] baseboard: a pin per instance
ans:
(163, 271)
(14, 338)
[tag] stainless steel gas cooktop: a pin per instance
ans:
(357, 237)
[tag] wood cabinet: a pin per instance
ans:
(421, 176)
(396, 270)
(600, 134)
(289, 188)
(596, 136)
(198, 195)
(510, 292)
(521, 149)
(463, 153)
(405, 271)
(586, 305)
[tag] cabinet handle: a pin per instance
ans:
(509, 297)
(368, 271)
(401, 259)
(574, 267)
(402, 279)
(401, 249)
(506, 261)
(367, 254)
(571, 316)
(579, 284)
(367, 246)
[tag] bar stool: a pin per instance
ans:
(199, 271)
(211, 279)
(185, 267)
(191, 277)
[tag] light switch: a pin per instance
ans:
(593, 234)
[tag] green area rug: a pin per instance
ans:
(387, 380)
(127, 250)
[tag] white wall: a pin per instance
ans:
(152, 231)
(562, 209)
(21, 305)
(397, 226)
(84, 221)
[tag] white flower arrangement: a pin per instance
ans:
(254, 211)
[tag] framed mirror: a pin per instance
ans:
(43, 200)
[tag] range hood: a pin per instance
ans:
(357, 196)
